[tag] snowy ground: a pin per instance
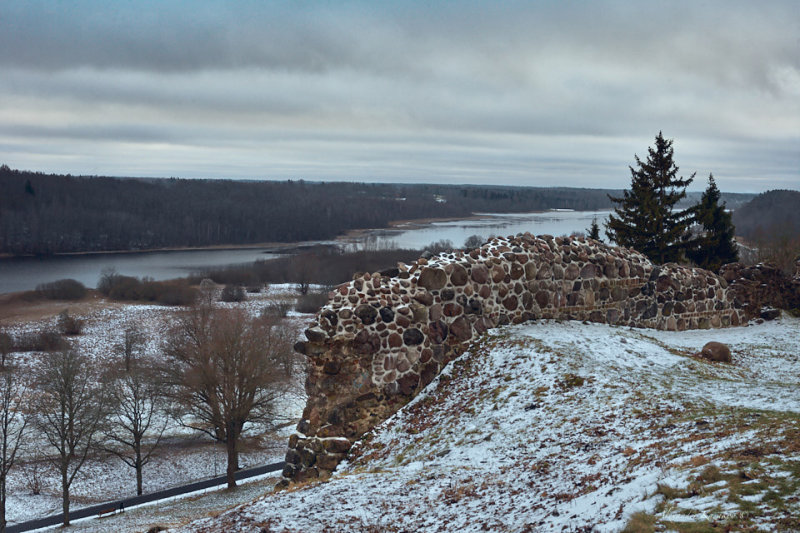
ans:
(183, 457)
(574, 427)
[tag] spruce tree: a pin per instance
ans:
(594, 230)
(714, 246)
(644, 219)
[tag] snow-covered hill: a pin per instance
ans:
(573, 427)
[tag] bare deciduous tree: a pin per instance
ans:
(70, 409)
(474, 241)
(306, 270)
(6, 347)
(778, 246)
(137, 406)
(223, 369)
(13, 423)
(132, 343)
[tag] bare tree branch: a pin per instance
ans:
(137, 403)
(70, 409)
(226, 369)
(13, 425)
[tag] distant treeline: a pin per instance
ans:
(48, 214)
(771, 225)
(773, 214)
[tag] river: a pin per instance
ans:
(20, 274)
(486, 225)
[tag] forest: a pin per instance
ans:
(42, 214)
(773, 213)
(770, 224)
(45, 214)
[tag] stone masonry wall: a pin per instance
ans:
(762, 287)
(380, 339)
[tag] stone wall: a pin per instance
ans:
(761, 288)
(380, 339)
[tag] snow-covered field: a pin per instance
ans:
(573, 427)
(184, 456)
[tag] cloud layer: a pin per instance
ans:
(535, 93)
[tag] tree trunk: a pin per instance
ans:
(2, 504)
(138, 474)
(233, 459)
(65, 497)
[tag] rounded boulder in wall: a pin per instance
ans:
(480, 274)
(432, 278)
(461, 329)
(413, 337)
(366, 313)
(459, 276)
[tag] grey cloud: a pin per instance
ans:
(170, 36)
(177, 36)
(403, 91)
(118, 132)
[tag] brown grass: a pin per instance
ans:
(699, 460)
(16, 307)
(640, 522)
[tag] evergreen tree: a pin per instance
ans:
(594, 230)
(645, 219)
(715, 245)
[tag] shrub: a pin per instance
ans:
(107, 280)
(69, 325)
(47, 340)
(474, 241)
(35, 472)
(175, 293)
(62, 289)
(125, 288)
(443, 245)
(232, 293)
(276, 309)
(311, 302)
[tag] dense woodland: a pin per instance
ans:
(46, 214)
(770, 224)
(773, 213)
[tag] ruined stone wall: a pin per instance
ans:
(381, 339)
(761, 288)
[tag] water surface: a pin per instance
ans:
(20, 274)
(25, 273)
(487, 225)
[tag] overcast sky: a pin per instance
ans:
(501, 92)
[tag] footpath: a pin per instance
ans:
(120, 505)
